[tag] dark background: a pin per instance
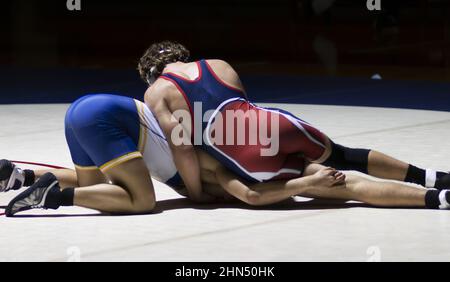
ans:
(50, 54)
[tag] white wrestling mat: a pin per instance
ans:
(180, 231)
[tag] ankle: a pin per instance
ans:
(59, 198)
(29, 177)
(435, 199)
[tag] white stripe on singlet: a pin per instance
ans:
(259, 176)
(154, 147)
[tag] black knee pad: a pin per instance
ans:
(343, 158)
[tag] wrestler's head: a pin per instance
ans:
(155, 59)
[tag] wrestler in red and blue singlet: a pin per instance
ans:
(298, 140)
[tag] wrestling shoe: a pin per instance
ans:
(11, 176)
(437, 199)
(43, 194)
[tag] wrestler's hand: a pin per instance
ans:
(328, 177)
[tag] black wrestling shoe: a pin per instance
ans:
(11, 177)
(37, 196)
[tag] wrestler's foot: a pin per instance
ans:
(44, 194)
(437, 199)
(11, 177)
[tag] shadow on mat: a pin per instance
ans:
(314, 204)
(58, 215)
(182, 203)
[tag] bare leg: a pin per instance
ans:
(71, 178)
(66, 177)
(131, 192)
(377, 164)
(89, 177)
(382, 194)
(384, 166)
(105, 198)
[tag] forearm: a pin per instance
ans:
(277, 191)
(262, 193)
(188, 167)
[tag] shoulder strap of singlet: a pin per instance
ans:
(182, 80)
(206, 73)
(207, 70)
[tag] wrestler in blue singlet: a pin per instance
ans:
(103, 131)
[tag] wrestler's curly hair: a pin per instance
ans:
(157, 56)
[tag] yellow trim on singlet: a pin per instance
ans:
(141, 145)
(120, 160)
(86, 167)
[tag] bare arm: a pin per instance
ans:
(184, 155)
(273, 192)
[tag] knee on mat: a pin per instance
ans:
(143, 206)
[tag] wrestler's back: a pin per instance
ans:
(208, 88)
(167, 91)
(222, 69)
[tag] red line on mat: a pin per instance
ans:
(39, 164)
